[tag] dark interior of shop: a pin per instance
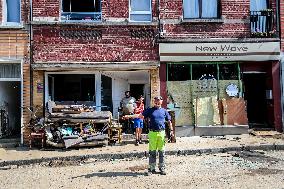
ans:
(69, 87)
(254, 94)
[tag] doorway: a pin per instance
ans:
(255, 96)
(10, 108)
(136, 90)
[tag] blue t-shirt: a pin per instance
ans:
(158, 117)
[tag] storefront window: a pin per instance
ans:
(178, 72)
(228, 71)
(205, 94)
(178, 91)
(203, 71)
(195, 91)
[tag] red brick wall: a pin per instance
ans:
(25, 10)
(235, 12)
(116, 44)
(43, 8)
(282, 24)
(237, 9)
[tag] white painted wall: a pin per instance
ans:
(119, 86)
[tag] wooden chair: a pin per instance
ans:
(37, 136)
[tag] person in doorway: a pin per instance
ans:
(158, 117)
(138, 122)
(127, 106)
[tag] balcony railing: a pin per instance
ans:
(81, 16)
(262, 24)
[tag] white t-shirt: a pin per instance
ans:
(128, 105)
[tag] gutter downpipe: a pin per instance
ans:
(278, 20)
(31, 54)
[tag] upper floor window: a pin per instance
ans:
(201, 9)
(11, 12)
(258, 5)
(140, 10)
(78, 10)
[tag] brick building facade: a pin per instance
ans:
(220, 64)
(204, 59)
(14, 65)
(111, 49)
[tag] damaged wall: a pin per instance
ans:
(154, 83)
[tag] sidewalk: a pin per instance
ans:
(183, 146)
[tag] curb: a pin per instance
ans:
(265, 147)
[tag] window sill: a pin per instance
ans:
(209, 20)
(12, 26)
(125, 22)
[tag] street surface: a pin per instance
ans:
(257, 169)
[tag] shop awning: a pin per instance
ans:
(74, 66)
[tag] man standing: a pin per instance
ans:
(158, 116)
(127, 105)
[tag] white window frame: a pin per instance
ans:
(140, 13)
(202, 18)
(67, 20)
(4, 15)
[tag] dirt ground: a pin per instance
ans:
(256, 169)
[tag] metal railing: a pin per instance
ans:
(262, 23)
(81, 16)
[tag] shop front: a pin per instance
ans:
(221, 88)
(86, 100)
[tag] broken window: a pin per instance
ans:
(77, 10)
(12, 11)
(140, 10)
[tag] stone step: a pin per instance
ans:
(10, 142)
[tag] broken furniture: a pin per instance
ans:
(89, 125)
(115, 132)
(37, 136)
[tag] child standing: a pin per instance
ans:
(138, 122)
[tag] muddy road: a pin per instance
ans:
(257, 169)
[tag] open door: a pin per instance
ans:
(255, 95)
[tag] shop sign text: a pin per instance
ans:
(221, 48)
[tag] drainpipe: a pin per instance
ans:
(159, 18)
(278, 23)
(31, 53)
(278, 20)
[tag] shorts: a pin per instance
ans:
(138, 123)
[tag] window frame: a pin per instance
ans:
(140, 13)
(5, 15)
(83, 20)
(200, 11)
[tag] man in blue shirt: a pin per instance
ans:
(158, 116)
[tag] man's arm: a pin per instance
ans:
(133, 116)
